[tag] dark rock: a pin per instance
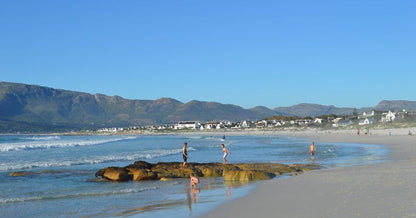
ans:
(142, 174)
(21, 173)
(142, 170)
(100, 173)
(116, 174)
(274, 168)
(247, 175)
(143, 164)
(174, 170)
(210, 169)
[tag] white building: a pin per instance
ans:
(262, 123)
(389, 117)
(367, 121)
(317, 120)
(220, 126)
(211, 125)
(245, 124)
(188, 125)
(336, 121)
(277, 123)
(365, 115)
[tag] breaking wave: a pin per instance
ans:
(89, 160)
(42, 138)
(47, 142)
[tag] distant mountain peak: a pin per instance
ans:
(396, 105)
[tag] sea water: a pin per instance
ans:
(60, 179)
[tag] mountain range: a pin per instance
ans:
(36, 108)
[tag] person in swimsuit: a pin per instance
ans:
(184, 154)
(226, 152)
(312, 150)
(194, 181)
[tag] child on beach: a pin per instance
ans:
(184, 154)
(194, 181)
(226, 152)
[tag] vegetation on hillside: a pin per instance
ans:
(31, 108)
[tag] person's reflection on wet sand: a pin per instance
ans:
(188, 198)
(228, 192)
(191, 196)
(195, 191)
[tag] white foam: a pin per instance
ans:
(42, 144)
(42, 138)
(193, 137)
(23, 199)
(89, 160)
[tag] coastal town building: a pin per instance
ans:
(278, 123)
(339, 122)
(318, 120)
(210, 125)
(333, 121)
(246, 124)
(220, 126)
(388, 117)
(367, 121)
(261, 124)
(188, 125)
(365, 114)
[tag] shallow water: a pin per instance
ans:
(62, 168)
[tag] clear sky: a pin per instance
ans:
(272, 53)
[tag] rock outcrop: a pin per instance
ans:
(21, 173)
(163, 171)
(247, 175)
(115, 174)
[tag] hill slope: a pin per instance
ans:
(25, 107)
(303, 110)
(36, 108)
(397, 105)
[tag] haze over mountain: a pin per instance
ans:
(36, 108)
(304, 109)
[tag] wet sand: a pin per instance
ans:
(378, 190)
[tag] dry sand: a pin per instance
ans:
(378, 190)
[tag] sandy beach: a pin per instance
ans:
(378, 190)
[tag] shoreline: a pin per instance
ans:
(376, 190)
(272, 187)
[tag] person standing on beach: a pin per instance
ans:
(312, 149)
(184, 154)
(226, 152)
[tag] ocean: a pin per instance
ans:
(60, 181)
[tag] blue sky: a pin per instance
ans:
(248, 53)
